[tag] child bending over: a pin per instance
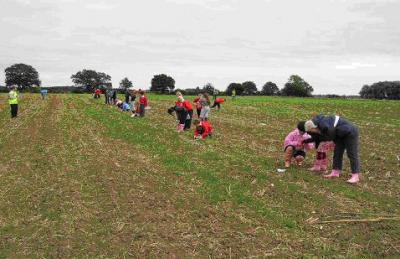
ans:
(203, 129)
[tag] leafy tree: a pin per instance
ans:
(249, 88)
(125, 83)
(270, 88)
(382, 90)
(238, 87)
(91, 79)
(162, 83)
(209, 88)
(296, 86)
(25, 76)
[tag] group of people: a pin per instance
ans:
(322, 133)
(135, 101)
(184, 113)
(325, 134)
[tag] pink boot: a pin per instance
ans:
(317, 166)
(324, 164)
(355, 178)
(333, 174)
(181, 127)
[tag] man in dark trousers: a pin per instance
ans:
(13, 101)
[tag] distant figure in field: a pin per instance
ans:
(197, 104)
(43, 93)
(113, 96)
(233, 94)
(217, 103)
(13, 101)
(294, 145)
(345, 136)
(97, 93)
(203, 129)
(205, 107)
(108, 96)
(143, 103)
(215, 94)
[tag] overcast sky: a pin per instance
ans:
(335, 45)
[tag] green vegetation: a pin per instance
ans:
(82, 179)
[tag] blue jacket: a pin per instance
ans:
(342, 130)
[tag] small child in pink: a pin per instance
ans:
(321, 160)
(295, 146)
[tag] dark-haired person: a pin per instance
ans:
(294, 145)
(345, 135)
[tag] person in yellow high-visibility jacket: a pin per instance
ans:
(13, 101)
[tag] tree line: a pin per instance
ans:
(26, 77)
(381, 90)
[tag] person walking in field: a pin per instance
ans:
(345, 135)
(43, 93)
(205, 107)
(294, 145)
(215, 94)
(13, 101)
(113, 96)
(233, 94)
(106, 96)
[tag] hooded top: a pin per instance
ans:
(326, 124)
(296, 139)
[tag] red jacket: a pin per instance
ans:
(97, 91)
(143, 100)
(185, 104)
(196, 101)
(220, 100)
(207, 130)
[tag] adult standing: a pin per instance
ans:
(346, 138)
(233, 94)
(106, 96)
(13, 101)
(215, 94)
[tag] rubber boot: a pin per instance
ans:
(299, 160)
(317, 165)
(355, 178)
(181, 127)
(324, 165)
(288, 156)
(334, 174)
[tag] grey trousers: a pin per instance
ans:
(350, 144)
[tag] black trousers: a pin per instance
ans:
(216, 105)
(350, 144)
(14, 110)
(188, 122)
(182, 115)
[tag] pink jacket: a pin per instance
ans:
(296, 139)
